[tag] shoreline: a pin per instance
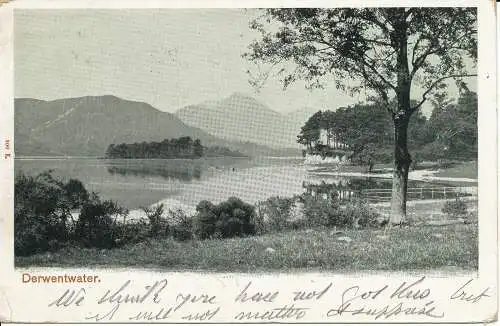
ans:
(418, 175)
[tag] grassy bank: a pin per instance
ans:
(450, 170)
(409, 248)
(461, 170)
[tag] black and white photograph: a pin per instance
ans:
(253, 140)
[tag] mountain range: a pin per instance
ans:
(242, 117)
(85, 126)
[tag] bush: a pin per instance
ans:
(41, 213)
(131, 233)
(76, 192)
(455, 209)
(328, 212)
(96, 225)
(158, 225)
(206, 220)
(434, 151)
(182, 225)
(235, 218)
(228, 219)
(319, 211)
(43, 219)
(275, 213)
(357, 213)
(259, 222)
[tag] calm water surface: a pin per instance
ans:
(137, 183)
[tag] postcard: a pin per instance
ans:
(248, 162)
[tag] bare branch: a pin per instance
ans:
(435, 45)
(375, 71)
(415, 47)
(259, 81)
(409, 12)
(379, 42)
(431, 87)
(419, 61)
(378, 88)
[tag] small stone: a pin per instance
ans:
(382, 237)
(334, 232)
(437, 235)
(270, 250)
(344, 239)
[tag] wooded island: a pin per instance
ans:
(183, 147)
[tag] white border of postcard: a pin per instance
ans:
(29, 302)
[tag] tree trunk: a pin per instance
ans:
(401, 117)
(402, 161)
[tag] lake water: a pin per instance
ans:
(138, 183)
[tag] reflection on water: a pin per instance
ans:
(183, 173)
(380, 189)
(138, 183)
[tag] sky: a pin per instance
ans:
(168, 58)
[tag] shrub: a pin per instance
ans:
(96, 225)
(206, 220)
(158, 225)
(434, 151)
(235, 218)
(455, 209)
(227, 219)
(41, 213)
(356, 213)
(275, 213)
(328, 212)
(43, 220)
(76, 193)
(131, 233)
(319, 211)
(182, 225)
(259, 223)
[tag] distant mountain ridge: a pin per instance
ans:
(85, 126)
(242, 117)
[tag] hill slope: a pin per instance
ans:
(85, 126)
(241, 117)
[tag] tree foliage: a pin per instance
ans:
(367, 131)
(361, 47)
(183, 147)
(456, 140)
(383, 51)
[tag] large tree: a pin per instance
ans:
(458, 140)
(310, 132)
(385, 51)
(365, 129)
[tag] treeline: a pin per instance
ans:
(366, 131)
(183, 147)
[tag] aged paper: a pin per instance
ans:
(248, 162)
